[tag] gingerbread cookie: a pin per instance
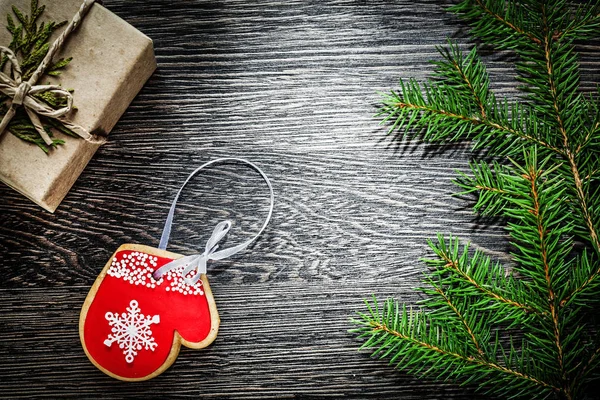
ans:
(147, 302)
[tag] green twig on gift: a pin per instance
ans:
(30, 42)
(22, 128)
(530, 332)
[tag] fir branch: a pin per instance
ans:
(584, 282)
(584, 25)
(465, 73)
(545, 211)
(589, 365)
(418, 344)
(548, 194)
(483, 277)
(464, 126)
(495, 188)
(447, 113)
(24, 132)
(503, 24)
(560, 104)
(538, 71)
(511, 26)
(470, 331)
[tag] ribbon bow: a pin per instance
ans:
(198, 262)
(22, 93)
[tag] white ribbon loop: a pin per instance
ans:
(197, 262)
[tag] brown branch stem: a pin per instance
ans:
(559, 35)
(474, 361)
(472, 89)
(570, 156)
(537, 212)
(490, 189)
(567, 152)
(508, 23)
(452, 264)
(589, 363)
(479, 121)
(464, 322)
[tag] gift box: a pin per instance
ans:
(111, 62)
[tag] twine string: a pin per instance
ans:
(22, 93)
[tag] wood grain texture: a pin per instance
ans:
(290, 85)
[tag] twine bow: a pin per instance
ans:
(22, 93)
(197, 262)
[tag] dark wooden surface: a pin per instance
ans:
(290, 85)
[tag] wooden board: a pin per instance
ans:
(290, 85)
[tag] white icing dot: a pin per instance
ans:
(137, 268)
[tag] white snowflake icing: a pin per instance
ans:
(137, 268)
(131, 331)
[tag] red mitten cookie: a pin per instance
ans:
(132, 326)
(147, 302)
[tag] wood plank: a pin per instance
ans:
(292, 86)
(277, 340)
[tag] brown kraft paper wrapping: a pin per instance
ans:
(111, 62)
